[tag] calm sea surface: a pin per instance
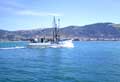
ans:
(86, 62)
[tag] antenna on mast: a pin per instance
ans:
(54, 22)
(58, 23)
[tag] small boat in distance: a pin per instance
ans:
(55, 42)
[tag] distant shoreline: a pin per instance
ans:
(73, 40)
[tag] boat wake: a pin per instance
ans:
(8, 48)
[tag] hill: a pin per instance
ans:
(97, 31)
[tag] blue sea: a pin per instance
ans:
(92, 61)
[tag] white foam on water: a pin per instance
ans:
(17, 47)
(65, 44)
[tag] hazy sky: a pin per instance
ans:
(31, 14)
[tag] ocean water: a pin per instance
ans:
(86, 62)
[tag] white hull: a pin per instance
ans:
(66, 43)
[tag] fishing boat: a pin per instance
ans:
(55, 42)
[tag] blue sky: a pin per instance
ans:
(32, 14)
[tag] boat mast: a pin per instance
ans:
(54, 30)
(58, 33)
(56, 26)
